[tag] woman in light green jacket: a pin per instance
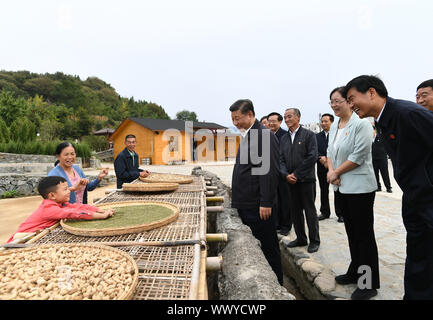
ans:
(352, 175)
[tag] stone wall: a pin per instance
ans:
(31, 158)
(245, 273)
(26, 184)
(21, 183)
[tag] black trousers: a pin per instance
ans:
(382, 166)
(357, 210)
(324, 194)
(418, 273)
(283, 219)
(303, 195)
(265, 232)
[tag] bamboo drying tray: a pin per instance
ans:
(149, 187)
(166, 272)
(124, 230)
(104, 250)
(154, 177)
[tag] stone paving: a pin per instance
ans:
(334, 250)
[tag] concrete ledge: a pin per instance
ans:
(246, 274)
(315, 280)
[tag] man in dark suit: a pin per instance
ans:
(322, 167)
(406, 131)
(298, 156)
(380, 163)
(127, 162)
(283, 218)
(255, 181)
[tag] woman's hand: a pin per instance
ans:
(79, 185)
(103, 174)
(332, 176)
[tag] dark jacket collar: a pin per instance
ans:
(387, 112)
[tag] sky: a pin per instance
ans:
(203, 55)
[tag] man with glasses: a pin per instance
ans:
(424, 94)
(406, 132)
(283, 218)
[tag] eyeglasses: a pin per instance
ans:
(334, 102)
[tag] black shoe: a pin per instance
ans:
(284, 232)
(340, 219)
(296, 243)
(363, 294)
(313, 247)
(345, 279)
(389, 190)
(322, 217)
(379, 189)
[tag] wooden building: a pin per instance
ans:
(176, 141)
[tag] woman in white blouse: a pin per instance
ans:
(352, 175)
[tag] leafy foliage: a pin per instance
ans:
(41, 108)
(186, 115)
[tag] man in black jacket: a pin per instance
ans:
(406, 133)
(255, 180)
(322, 139)
(283, 219)
(380, 163)
(127, 162)
(298, 155)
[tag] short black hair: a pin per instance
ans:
(264, 117)
(364, 83)
(426, 84)
(280, 117)
(130, 136)
(331, 117)
(49, 184)
(244, 105)
(340, 90)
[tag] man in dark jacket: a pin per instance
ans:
(406, 133)
(255, 180)
(322, 139)
(380, 163)
(127, 162)
(298, 155)
(283, 219)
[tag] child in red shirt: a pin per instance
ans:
(55, 207)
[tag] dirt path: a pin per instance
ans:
(14, 211)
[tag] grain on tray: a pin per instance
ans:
(64, 273)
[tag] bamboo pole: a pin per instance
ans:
(214, 199)
(202, 289)
(195, 275)
(210, 193)
(210, 188)
(216, 237)
(43, 233)
(215, 209)
(214, 263)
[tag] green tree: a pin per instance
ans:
(186, 115)
(4, 132)
(11, 108)
(84, 123)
